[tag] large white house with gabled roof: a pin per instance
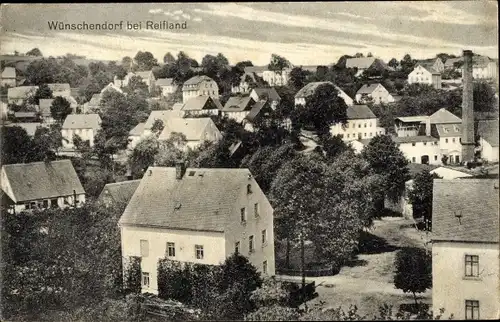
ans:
(83, 125)
(197, 215)
(361, 124)
(41, 185)
(199, 86)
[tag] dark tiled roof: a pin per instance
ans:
(362, 62)
(260, 106)
(120, 191)
(82, 121)
(270, 92)
(356, 112)
(415, 168)
(238, 104)
(42, 180)
(203, 201)
(488, 130)
(475, 200)
(449, 130)
(199, 103)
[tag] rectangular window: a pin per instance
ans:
(457, 159)
(250, 244)
(359, 125)
(413, 144)
(171, 249)
(237, 247)
(413, 160)
(453, 140)
(33, 205)
(264, 237)
(198, 249)
(348, 135)
(145, 279)
(472, 265)
(370, 134)
(53, 203)
(144, 248)
(256, 210)
(46, 203)
(471, 310)
(243, 215)
(365, 124)
(365, 135)
(435, 158)
(264, 267)
(446, 140)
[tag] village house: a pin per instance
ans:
(487, 130)
(375, 93)
(260, 115)
(425, 74)
(483, 67)
(435, 63)
(39, 185)
(197, 215)
(196, 130)
(465, 248)
(238, 107)
(147, 77)
(201, 105)
(162, 115)
(199, 86)
(419, 149)
(93, 104)
(111, 86)
(411, 125)
(267, 94)
(83, 125)
(135, 135)
(117, 194)
(272, 78)
(361, 124)
(309, 89)
(247, 81)
(9, 77)
(365, 63)
(17, 95)
(167, 86)
(44, 110)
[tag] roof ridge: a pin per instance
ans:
(121, 182)
(33, 163)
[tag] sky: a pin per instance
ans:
(305, 33)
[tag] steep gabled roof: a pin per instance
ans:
(361, 62)
(356, 112)
(9, 72)
(192, 128)
(474, 201)
(258, 109)
(203, 200)
(199, 103)
(42, 180)
(449, 130)
(310, 88)
(429, 67)
(270, 92)
(163, 116)
(238, 104)
(137, 130)
(443, 116)
(120, 192)
(82, 121)
(368, 88)
(164, 82)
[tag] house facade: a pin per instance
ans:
(361, 124)
(41, 185)
(487, 130)
(309, 89)
(59, 89)
(199, 86)
(201, 105)
(196, 130)
(266, 93)
(375, 93)
(17, 95)
(425, 74)
(206, 216)
(465, 248)
(167, 86)
(420, 149)
(8, 77)
(83, 125)
(238, 107)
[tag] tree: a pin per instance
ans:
(484, 97)
(387, 160)
(238, 279)
(333, 145)
(49, 138)
(421, 195)
(369, 54)
(60, 108)
(143, 155)
(145, 60)
(43, 91)
(278, 63)
(297, 77)
(17, 146)
(407, 64)
(168, 58)
(413, 272)
(34, 52)
(127, 63)
(359, 55)
(323, 109)
(171, 150)
(393, 63)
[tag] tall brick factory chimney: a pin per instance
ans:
(467, 110)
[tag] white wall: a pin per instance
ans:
(488, 152)
(185, 241)
(414, 152)
(237, 116)
(420, 75)
(451, 288)
(85, 134)
(451, 147)
(366, 127)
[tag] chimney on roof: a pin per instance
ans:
(180, 169)
(428, 126)
(467, 109)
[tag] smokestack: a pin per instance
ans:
(467, 110)
(180, 169)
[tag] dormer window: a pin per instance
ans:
(249, 188)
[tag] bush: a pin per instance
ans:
(132, 276)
